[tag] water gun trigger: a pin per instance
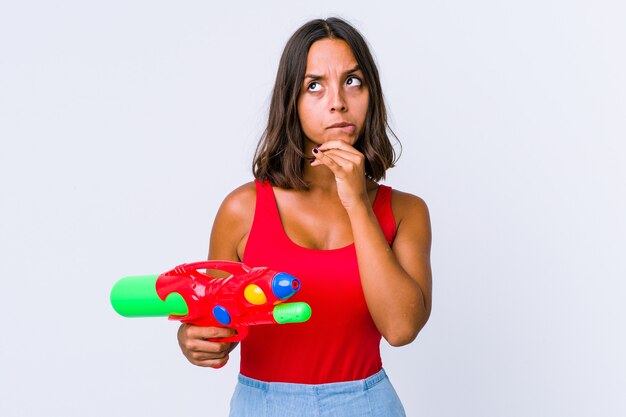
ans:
(241, 333)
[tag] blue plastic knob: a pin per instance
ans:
(221, 315)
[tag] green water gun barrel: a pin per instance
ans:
(136, 296)
(292, 313)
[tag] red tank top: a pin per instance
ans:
(340, 341)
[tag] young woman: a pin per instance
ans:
(316, 211)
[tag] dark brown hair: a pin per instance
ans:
(279, 155)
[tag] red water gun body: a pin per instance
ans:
(249, 296)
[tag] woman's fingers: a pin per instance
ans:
(348, 166)
(212, 363)
(201, 345)
(201, 332)
(339, 148)
(337, 163)
(338, 144)
(338, 160)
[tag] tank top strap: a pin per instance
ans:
(382, 210)
(266, 216)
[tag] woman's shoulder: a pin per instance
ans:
(233, 222)
(409, 205)
(240, 202)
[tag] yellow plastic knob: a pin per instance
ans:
(254, 295)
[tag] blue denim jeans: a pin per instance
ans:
(370, 397)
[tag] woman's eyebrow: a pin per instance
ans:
(355, 69)
(313, 76)
(317, 77)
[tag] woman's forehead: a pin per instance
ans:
(330, 55)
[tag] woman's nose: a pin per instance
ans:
(337, 100)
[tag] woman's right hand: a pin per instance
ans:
(195, 343)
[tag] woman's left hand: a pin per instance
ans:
(348, 166)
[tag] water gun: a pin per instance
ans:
(249, 296)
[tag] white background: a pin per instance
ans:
(123, 124)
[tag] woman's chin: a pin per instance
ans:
(350, 140)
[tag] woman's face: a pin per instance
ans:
(334, 98)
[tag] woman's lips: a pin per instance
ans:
(345, 127)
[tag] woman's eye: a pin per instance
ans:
(354, 81)
(314, 86)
